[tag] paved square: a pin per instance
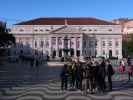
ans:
(19, 81)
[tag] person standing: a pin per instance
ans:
(121, 70)
(101, 76)
(84, 78)
(97, 75)
(110, 72)
(78, 74)
(72, 71)
(64, 77)
(90, 76)
(130, 70)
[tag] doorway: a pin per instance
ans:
(60, 52)
(72, 52)
(110, 53)
(54, 54)
(78, 53)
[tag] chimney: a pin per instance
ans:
(66, 22)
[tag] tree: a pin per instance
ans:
(6, 39)
(128, 46)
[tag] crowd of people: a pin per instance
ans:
(89, 76)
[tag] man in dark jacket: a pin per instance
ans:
(110, 72)
(78, 74)
(64, 77)
(101, 76)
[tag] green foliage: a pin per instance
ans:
(6, 39)
(128, 45)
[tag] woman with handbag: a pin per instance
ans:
(121, 70)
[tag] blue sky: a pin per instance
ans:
(14, 11)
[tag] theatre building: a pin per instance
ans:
(85, 37)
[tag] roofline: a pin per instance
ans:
(65, 18)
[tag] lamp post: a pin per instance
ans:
(66, 49)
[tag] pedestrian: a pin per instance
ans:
(78, 74)
(121, 70)
(94, 65)
(84, 79)
(97, 76)
(72, 74)
(110, 72)
(31, 62)
(64, 77)
(101, 76)
(91, 76)
(37, 64)
(130, 70)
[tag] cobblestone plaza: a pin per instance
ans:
(18, 81)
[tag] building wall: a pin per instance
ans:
(29, 35)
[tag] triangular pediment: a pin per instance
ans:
(67, 29)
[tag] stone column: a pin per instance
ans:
(75, 47)
(57, 48)
(113, 48)
(81, 46)
(98, 47)
(62, 46)
(120, 47)
(107, 47)
(69, 45)
(50, 46)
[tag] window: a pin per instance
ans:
(110, 30)
(116, 43)
(47, 30)
(41, 44)
(96, 43)
(103, 52)
(110, 43)
(84, 43)
(91, 43)
(83, 29)
(95, 30)
(21, 30)
(52, 27)
(78, 42)
(59, 41)
(90, 29)
(41, 30)
(80, 28)
(103, 43)
(47, 43)
(27, 44)
(53, 40)
(95, 52)
(117, 52)
(35, 44)
(35, 30)
(21, 45)
(72, 42)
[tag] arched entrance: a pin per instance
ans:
(54, 54)
(60, 52)
(71, 52)
(110, 53)
(78, 53)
